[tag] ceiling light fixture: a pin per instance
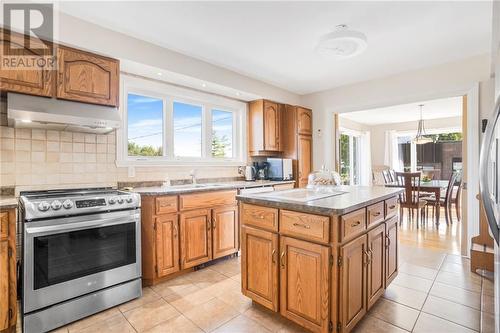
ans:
(159, 73)
(342, 43)
(204, 85)
(421, 138)
(26, 121)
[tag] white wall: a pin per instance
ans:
(91, 37)
(446, 80)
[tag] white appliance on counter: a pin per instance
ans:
(280, 168)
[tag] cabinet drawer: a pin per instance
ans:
(207, 199)
(166, 205)
(375, 213)
(306, 226)
(261, 217)
(4, 224)
(352, 224)
(391, 207)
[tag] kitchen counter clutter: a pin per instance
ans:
(320, 263)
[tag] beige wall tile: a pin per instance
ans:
(37, 156)
(38, 134)
(53, 157)
(78, 147)
(66, 157)
(78, 157)
(78, 137)
(112, 137)
(23, 179)
(101, 148)
(53, 179)
(53, 135)
(90, 157)
(23, 156)
(7, 144)
(23, 133)
(111, 149)
(23, 144)
(38, 145)
(53, 146)
(6, 132)
(23, 167)
(66, 137)
(101, 138)
(66, 147)
(66, 167)
(90, 138)
(7, 167)
(7, 156)
(90, 147)
(78, 168)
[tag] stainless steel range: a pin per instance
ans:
(81, 254)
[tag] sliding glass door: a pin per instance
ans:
(350, 158)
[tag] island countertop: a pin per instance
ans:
(352, 198)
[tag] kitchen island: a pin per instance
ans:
(320, 258)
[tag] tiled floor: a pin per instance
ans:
(434, 292)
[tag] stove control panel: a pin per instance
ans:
(90, 203)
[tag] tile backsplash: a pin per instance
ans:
(44, 159)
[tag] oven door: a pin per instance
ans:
(70, 257)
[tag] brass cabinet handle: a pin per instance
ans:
(175, 231)
(214, 221)
(367, 256)
(388, 241)
(261, 217)
(355, 224)
(376, 214)
(371, 255)
(302, 225)
(392, 206)
(273, 257)
(282, 259)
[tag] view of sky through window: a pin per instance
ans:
(187, 130)
(222, 133)
(145, 125)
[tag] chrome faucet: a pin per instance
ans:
(192, 173)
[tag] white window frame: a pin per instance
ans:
(351, 134)
(168, 94)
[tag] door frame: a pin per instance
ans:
(470, 205)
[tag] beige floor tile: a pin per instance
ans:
(487, 322)
(241, 324)
(488, 303)
(178, 286)
(427, 323)
(63, 329)
(370, 324)
(419, 271)
(91, 320)
(210, 315)
(469, 281)
(236, 299)
(171, 296)
(148, 295)
(395, 314)
(457, 313)
(457, 295)
(265, 317)
(290, 327)
(488, 287)
(224, 286)
(228, 267)
(205, 277)
(115, 324)
(409, 297)
(237, 278)
(413, 282)
(429, 262)
(151, 314)
(455, 268)
(186, 303)
(456, 259)
(178, 324)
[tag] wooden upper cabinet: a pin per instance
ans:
(264, 128)
(304, 121)
(196, 237)
(304, 283)
(167, 245)
(304, 159)
(259, 266)
(225, 231)
(376, 272)
(87, 77)
(352, 282)
(391, 250)
(32, 81)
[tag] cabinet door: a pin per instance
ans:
(259, 266)
(4, 285)
(86, 77)
(391, 250)
(353, 282)
(304, 159)
(271, 126)
(225, 231)
(304, 283)
(196, 238)
(304, 121)
(33, 81)
(376, 272)
(167, 245)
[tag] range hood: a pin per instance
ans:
(50, 113)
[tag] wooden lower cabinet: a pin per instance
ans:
(225, 231)
(304, 159)
(391, 250)
(196, 237)
(8, 294)
(259, 266)
(376, 265)
(353, 282)
(304, 283)
(167, 245)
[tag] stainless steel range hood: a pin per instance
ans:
(51, 113)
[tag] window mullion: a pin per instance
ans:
(169, 128)
(207, 129)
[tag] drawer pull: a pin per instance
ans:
(261, 217)
(355, 224)
(392, 206)
(376, 214)
(366, 258)
(388, 241)
(282, 259)
(305, 226)
(272, 256)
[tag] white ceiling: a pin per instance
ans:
(274, 41)
(434, 109)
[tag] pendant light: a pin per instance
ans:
(420, 138)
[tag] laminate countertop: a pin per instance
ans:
(205, 187)
(350, 198)
(7, 202)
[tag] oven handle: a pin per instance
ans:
(79, 225)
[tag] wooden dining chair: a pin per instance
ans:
(443, 201)
(410, 198)
(387, 176)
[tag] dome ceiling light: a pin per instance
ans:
(342, 43)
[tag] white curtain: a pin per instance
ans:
(365, 160)
(391, 157)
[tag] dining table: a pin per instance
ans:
(434, 187)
